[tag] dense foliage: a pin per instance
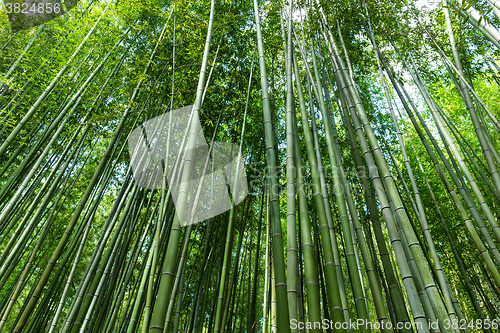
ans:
(370, 140)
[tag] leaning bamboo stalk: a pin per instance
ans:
(381, 167)
(331, 119)
(415, 248)
(458, 179)
(18, 193)
(422, 293)
(315, 83)
(475, 16)
(140, 292)
(59, 200)
(123, 270)
(15, 175)
(54, 213)
(44, 231)
(97, 253)
(33, 215)
(420, 207)
(494, 5)
(128, 270)
(489, 151)
(478, 128)
(460, 167)
(467, 149)
(167, 270)
(456, 255)
(324, 191)
(73, 103)
(70, 278)
(104, 161)
(465, 217)
(401, 258)
(358, 232)
(77, 315)
(27, 178)
(473, 92)
(85, 313)
(395, 295)
(7, 164)
(435, 263)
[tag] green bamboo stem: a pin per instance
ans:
(473, 92)
(358, 232)
(310, 271)
(277, 240)
(266, 267)
(420, 211)
(395, 295)
(47, 225)
(381, 167)
(291, 218)
(167, 271)
(316, 151)
(334, 293)
(78, 211)
(465, 218)
(458, 180)
(456, 255)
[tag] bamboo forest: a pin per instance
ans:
(249, 166)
